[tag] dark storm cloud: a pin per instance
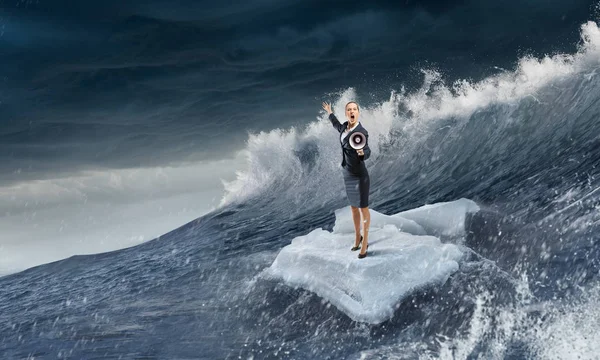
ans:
(101, 84)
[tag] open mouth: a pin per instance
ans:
(352, 117)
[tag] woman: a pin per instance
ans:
(356, 176)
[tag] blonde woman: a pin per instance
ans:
(356, 176)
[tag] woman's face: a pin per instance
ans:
(352, 113)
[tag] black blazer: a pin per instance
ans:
(351, 161)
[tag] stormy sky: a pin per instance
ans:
(90, 85)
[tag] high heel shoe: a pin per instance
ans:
(354, 248)
(362, 256)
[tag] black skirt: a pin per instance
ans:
(357, 188)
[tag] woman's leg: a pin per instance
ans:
(366, 215)
(356, 219)
(364, 187)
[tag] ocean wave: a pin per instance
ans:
(438, 120)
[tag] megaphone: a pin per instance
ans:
(358, 140)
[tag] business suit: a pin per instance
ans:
(356, 175)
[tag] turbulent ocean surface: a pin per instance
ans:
(495, 103)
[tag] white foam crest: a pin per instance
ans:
(273, 162)
(436, 101)
(559, 331)
(269, 157)
(571, 332)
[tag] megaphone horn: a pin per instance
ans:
(358, 140)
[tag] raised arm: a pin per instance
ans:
(334, 121)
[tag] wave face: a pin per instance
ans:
(523, 144)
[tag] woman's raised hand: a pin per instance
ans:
(327, 107)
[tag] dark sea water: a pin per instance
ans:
(498, 103)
